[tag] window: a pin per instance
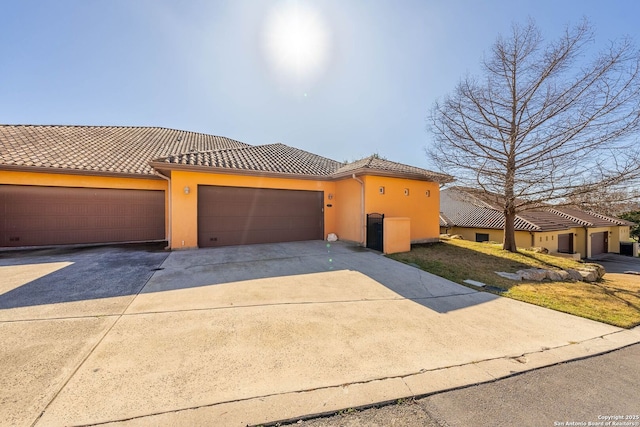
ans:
(482, 237)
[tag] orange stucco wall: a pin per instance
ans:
(89, 181)
(422, 209)
(348, 211)
(397, 235)
(344, 217)
(86, 181)
(184, 215)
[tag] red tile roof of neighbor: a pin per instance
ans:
(463, 208)
(133, 150)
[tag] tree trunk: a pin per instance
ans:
(509, 242)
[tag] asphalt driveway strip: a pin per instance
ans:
(616, 263)
(74, 282)
(255, 334)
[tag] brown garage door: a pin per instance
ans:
(599, 243)
(238, 216)
(38, 216)
(565, 243)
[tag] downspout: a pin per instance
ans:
(169, 209)
(362, 225)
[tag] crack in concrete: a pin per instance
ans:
(278, 304)
(47, 319)
(98, 316)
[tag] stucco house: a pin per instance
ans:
(562, 230)
(104, 184)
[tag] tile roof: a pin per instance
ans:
(463, 208)
(589, 219)
(130, 150)
(376, 164)
(278, 158)
(444, 221)
(101, 149)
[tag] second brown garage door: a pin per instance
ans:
(238, 216)
(599, 243)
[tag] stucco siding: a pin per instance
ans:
(347, 205)
(420, 203)
(470, 233)
(184, 218)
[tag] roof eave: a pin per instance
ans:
(63, 171)
(168, 167)
(441, 179)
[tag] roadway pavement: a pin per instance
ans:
(254, 334)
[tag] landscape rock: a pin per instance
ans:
(574, 274)
(535, 274)
(510, 276)
(600, 271)
(539, 250)
(588, 275)
(457, 237)
(555, 276)
(332, 237)
(540, 274)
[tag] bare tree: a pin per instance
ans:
(543, 123)
(607, 201)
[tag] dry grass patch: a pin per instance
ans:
(614, 300)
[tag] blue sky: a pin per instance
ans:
(208, 66)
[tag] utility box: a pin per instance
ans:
(397, 235)
(629, 248)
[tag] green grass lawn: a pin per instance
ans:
(614, 300)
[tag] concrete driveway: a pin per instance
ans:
(253, 334)
(616, 263)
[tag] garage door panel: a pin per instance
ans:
(36, 215)
(565, 243)
(599, 243)
(236, 216)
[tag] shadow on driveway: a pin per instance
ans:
(219, 266)
(114, 271)
(85, 273)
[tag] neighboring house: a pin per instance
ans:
(564, 230)
(103, 184)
